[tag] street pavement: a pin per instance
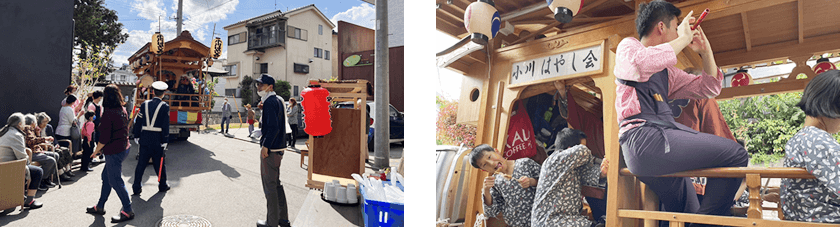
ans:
(212, 176)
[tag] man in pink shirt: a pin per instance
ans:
(653, 144)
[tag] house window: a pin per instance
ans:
(231, 70)
(234, 39)
(301, 68)
(318, 52)
(230, 92)
(296, 92)
(123, 78)
(297, 33)
(327, 55)
(320, 29)
(264, 68)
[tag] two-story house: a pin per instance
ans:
(293, 46)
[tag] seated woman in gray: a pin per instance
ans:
(559, 201)
(813, 148)
(512, 192)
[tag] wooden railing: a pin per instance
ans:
(191, 102)
(753, 177)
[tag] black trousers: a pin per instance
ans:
(645, 154)
(293, 140)
(87, 151)
(147, 152)
(275, 196)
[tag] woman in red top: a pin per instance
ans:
(113, 142)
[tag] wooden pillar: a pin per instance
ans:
(754, 184)
(621, 191)
(650, 202)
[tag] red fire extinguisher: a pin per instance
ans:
(316, 110)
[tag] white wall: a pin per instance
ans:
(395, 23)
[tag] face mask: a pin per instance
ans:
(262, 93)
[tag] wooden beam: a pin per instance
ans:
(455, 22)
(739, 172)
(747, 30)
(459, 67)
(595, 19)
(479, 56)
(829, 43)
(763, 89)
(524, 22)
(725, 9)
(179, 58)
(538, 32)
(591, 6)
(709, 219)
(801, 26)
(457, 32)
(449, 11)
(693, 58)
(628, 4)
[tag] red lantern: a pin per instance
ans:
(742, 78)
(316, 110)
(823, 65)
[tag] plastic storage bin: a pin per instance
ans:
(378, 213)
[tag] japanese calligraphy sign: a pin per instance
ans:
(587, 60)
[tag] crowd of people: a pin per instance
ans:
(86, 130)
(50, 151)
(669, 122)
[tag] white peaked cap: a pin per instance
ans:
(159, 85)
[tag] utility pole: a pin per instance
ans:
(382, 148)
(180, 16)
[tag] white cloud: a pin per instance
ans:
(363, 15)
(199, 18)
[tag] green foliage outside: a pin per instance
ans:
(283, 89)
(764, 123)
(448, 131)
(247, 90)
(96, 26)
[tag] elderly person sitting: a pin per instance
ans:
(64, 159)
(12, 147)
(39, 145)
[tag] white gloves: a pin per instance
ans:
(164, 145)
(137, 141)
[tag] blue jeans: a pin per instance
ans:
(225, 120)
(35, 176)
(112, 178)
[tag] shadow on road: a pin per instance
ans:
(183, 159)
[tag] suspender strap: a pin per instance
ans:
(626, 82)
(149, 124)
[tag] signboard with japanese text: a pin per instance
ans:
(587, 60)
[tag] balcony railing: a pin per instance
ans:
(267, 39)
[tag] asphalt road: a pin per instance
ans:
(211, 176)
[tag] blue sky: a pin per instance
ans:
(140, 17)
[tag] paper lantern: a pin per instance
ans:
(157, 43)
(482, 20)
(823, 65)
(564, 10)
(217, 47)
(741, 78)
(316, 110)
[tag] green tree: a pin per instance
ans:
(283, 89)
(247, 90)
(96, 26)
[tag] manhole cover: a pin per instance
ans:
(183, 221)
